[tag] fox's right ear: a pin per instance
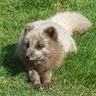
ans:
(28, 27)
(51, 32)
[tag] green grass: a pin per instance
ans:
(77, 74)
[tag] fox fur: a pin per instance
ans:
(44, 44)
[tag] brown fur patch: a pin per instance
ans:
(51, 32)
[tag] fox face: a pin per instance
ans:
(39, 44)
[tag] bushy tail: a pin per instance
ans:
(74, 22)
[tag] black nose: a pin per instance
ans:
(27, 57)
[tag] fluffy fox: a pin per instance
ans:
(44, 44)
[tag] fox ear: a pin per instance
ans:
(51, 32)
(29, 27)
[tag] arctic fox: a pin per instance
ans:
(44, 44)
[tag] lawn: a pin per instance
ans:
(77, 74)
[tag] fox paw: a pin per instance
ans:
(38, 87)
(47, 86)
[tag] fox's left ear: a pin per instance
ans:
(29, 27)
(51, 32)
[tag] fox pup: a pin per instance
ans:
(44, 44)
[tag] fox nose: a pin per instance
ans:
(30, 54)
(27, 57)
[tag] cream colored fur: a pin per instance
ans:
(66, 24)
(56, 35)
(74, 22)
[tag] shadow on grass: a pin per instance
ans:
(10, 62)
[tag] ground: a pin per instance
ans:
(77, 74)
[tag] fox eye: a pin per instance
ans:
(27, 44)
(40, 45)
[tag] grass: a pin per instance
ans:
(77, 74)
